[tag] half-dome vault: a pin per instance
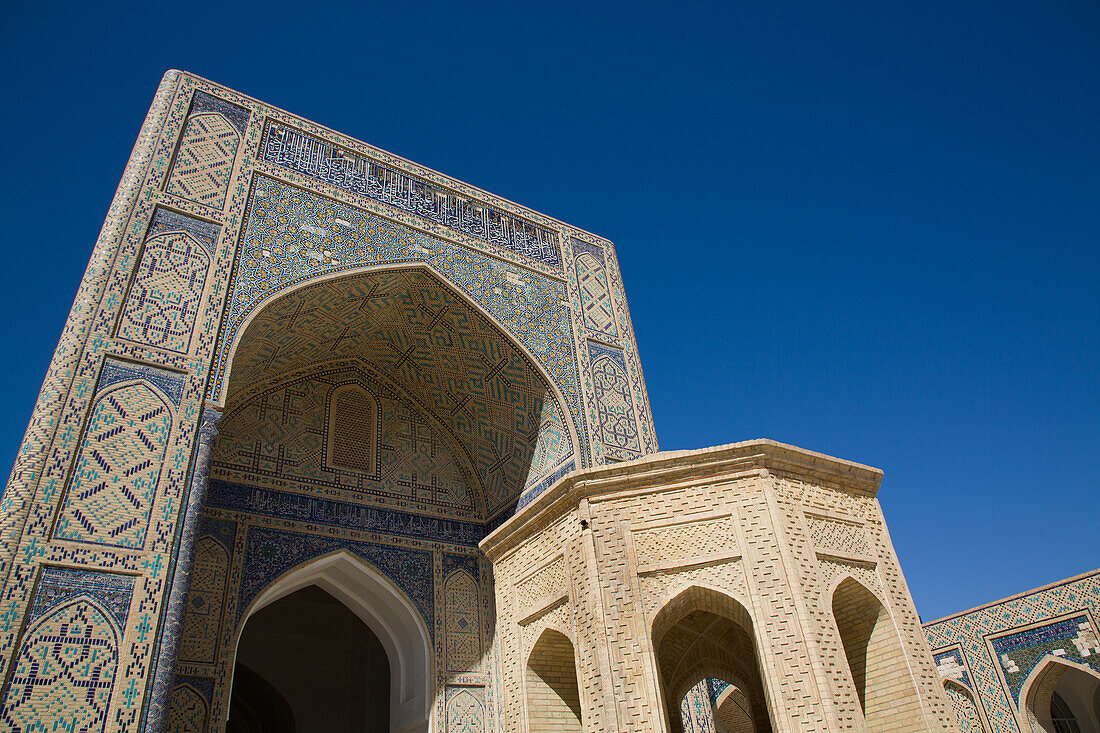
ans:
(389, 385)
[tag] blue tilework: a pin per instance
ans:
(953, 657)
(351, 172)
(345, 515)
(115, 371)
(271, 552)
(292, 236)
(970, 632)
(614, 402)
(533, 492)
(1019, 653)
(237, 116)
(57, 585)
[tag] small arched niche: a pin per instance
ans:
(706, 657)
(1061, 696)
(883, 685)
(553, 696)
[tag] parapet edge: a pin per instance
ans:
(676, 466)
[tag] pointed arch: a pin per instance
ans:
(1054, 675)
(223, 390)
(465, 710)
(553, 695)
(703, 633)
(733, 710)
(351, 428)
(64, 670)
(163, 301)
(386, 611)
(114, 479)
(884, 689)
(431, 338)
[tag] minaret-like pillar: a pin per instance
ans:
(164, 672)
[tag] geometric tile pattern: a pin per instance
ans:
(277, 437)
(837, 535)
(205, 160)
(118, 465)
(950, 667)
(162, 286)
(431, 344)
(205, 601)
(187, 711)
(64, 672)
(163, 302)
(618, 426)
(463, 625)
(350, 172)
(207, 150)
(966, 711)
(346, 516)
(1073, 638)
(1024, 628)
(697, 710)
(465, 709)
(351, 430)
(57, 585)
(596, 302)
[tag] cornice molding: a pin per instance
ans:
(662, 470)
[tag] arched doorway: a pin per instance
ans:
(700, 636)
(340, 611)
(884, 688)
(309, 654)
(1061, 696)
(365, 414)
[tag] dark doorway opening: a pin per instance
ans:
(307, 664)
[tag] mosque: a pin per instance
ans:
(333, 442)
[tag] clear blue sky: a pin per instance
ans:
(868, 229)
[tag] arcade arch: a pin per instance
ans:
(703, 634)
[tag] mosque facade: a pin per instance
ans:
(334, 442)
